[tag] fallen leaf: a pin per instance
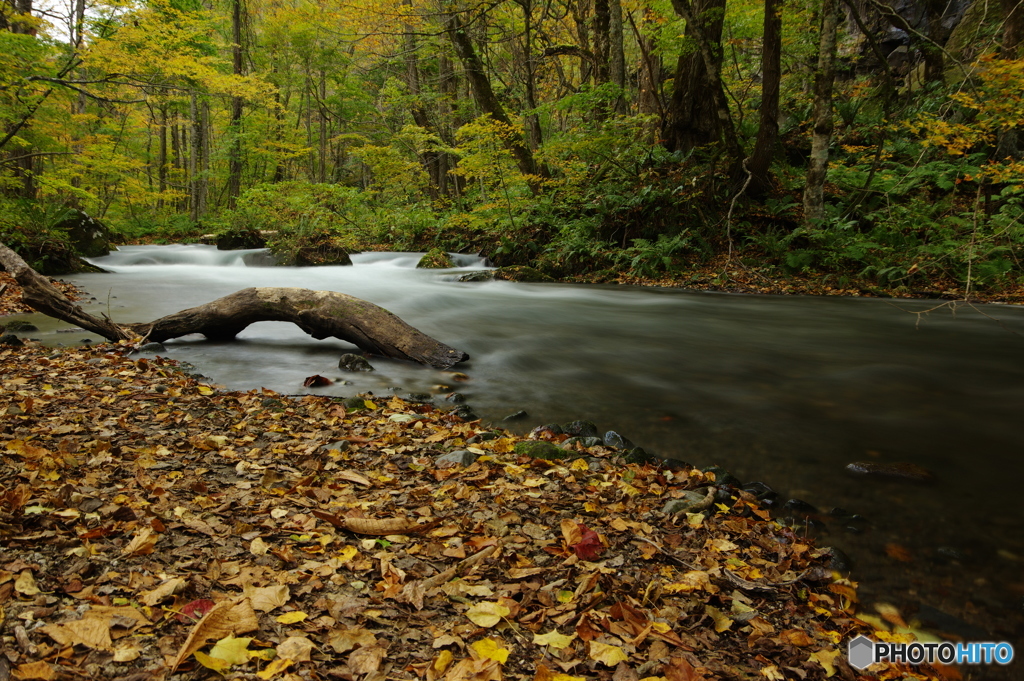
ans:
(553, 639)
(141, 544)
(607, 655)
(826, 659)
(31, 671)
(491, 649)
(487, 614)
(296, 648)
(233, 616)
(215, 663)
(316, 381)
(365, 660)
(165, 589)
(347, 638)
(25, 584)
(232, 650)
(274, 668)
(292, 617)
(267, 598)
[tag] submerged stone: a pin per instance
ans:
(891, 471)
(435, 259)
(613, 439)
(354, 363)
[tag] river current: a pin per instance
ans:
(786, 390)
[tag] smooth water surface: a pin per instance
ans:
(787, 390)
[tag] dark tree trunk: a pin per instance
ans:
(759, 164)
(699, 112)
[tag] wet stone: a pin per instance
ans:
(758, 489)
(459, 457)
(613, 439)
(152, 347)
(690, 502)
(581, 429)
(538, 449)
(799, 507)
(10, 340)
(908, 472)
(464, 412)
(352, 362)
(723, 477)
(582, 441)
(547, 429)
(455, 398)
(21, 326)
(519, 415)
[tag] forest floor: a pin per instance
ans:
(153, 526)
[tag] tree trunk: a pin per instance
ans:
(760, 161)
(699, 112)
(321, 314)
(814, 191)
(617, 55)
(483, 93)
(235, 126)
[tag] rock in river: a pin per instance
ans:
(351, 362)
(891, 471)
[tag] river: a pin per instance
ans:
(786, 390)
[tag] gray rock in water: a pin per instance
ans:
(483, 275)
(11, 340)
(892, 471)
(455, 398)
(613, 439)
(21, 326)
(353, 363)
(516, 416)
(581, 429)
(460, 457)
(152, 347)
(539, 449)
(547, 429)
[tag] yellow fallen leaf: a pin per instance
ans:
(442, 661)
(487, 614)
(205, 390)
(215, 663)
(826, 658)
(553, 639)
(607, 655)
(274, 668)
(32, 671)
(295, 648)
(490, 649)
(721, 620)
(292, 617)
(772, 673)
(258, 547)
(232, 650)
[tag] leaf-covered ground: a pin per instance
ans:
(154, 527)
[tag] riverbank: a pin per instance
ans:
(331, 540)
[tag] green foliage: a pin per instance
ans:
(31, 229)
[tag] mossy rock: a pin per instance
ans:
(435, 259)
(240, 238)
(521, 273)
(539, 449)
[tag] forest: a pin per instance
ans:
(867, 146)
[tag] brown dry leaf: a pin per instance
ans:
(796, 637)
(474, 670)
(32, 671)
(571, 532)
(365, 660)
(93, 632)
(168, 588)
(25, 584)
(267, 598)
(381, 527)
(345, 639)
(295, 648)
(141, 544)
(352, 476)
(680, 669)
(227, 618)
(128, 650)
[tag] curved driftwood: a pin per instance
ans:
(321, 314)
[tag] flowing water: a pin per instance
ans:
(787, 390)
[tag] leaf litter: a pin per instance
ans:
(155, 527)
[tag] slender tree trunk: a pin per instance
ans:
(617, 54)
(824, 76)
(602, 42)
(199, 159)
(483, 93)
(238, 68)
(759, 164)
(162, 158)
(429, 158)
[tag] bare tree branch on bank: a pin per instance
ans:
(321, 314)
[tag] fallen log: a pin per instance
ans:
(38, 293)
(321, 314)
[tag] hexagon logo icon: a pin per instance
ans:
(861, 652)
